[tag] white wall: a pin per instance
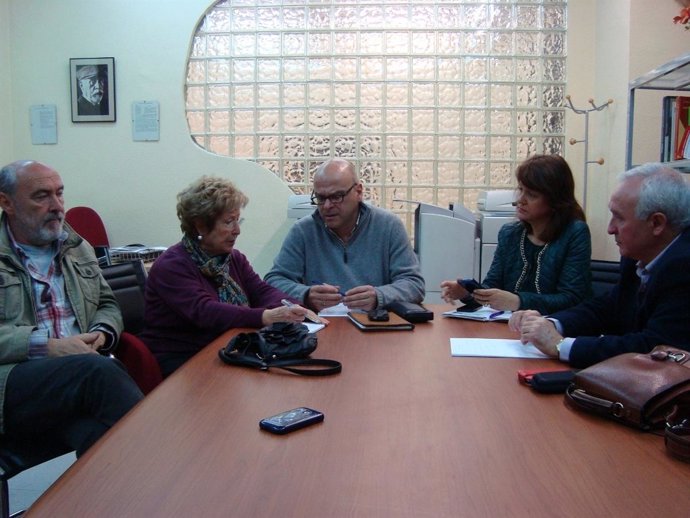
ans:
(133, 184)
(610, 63)
(580, 86)
(5, 84)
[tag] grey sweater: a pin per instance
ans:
(378, 254)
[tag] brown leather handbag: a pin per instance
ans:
(639, 390)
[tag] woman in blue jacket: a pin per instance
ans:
(542, 260)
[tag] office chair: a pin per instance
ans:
(605, 275)
(17, 456)
(127, 280)
(140, 362)
(88, 224)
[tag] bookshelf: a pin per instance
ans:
(673, 76)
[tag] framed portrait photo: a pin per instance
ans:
(92, 88)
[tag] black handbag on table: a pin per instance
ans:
(283, 345)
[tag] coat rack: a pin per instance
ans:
(573, 141)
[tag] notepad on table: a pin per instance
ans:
(394, 322)
(484, 314)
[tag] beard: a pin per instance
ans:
(48, 235)
(39, 233)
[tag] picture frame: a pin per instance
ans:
(92, 89)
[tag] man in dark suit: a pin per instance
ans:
(650, 305)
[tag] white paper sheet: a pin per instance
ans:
(43, 124)
(493, 348)
(313, 328)
(335, 311)
(146, 121)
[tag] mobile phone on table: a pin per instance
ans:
(525, 375)
(552, 382)
(291, 420)
(469, 306)
(549, 380)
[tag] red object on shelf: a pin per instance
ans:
(682, 137)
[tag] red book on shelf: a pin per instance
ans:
(682, 137)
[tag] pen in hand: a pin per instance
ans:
(313, 317)
(340, 292)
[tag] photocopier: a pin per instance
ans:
(495, 210)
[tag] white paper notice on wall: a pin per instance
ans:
(43, 124)
(145, 121)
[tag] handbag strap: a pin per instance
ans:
(677, 445)
(303, 366)
(677, 434)
(596, 405)
(312, 366)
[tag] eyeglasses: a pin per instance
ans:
(233, 222)
(335, 198)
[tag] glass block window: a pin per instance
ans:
(433, 101)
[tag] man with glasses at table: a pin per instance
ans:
(346, 251)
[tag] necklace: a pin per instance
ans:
(525, 264)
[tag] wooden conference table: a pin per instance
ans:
(409, 431)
